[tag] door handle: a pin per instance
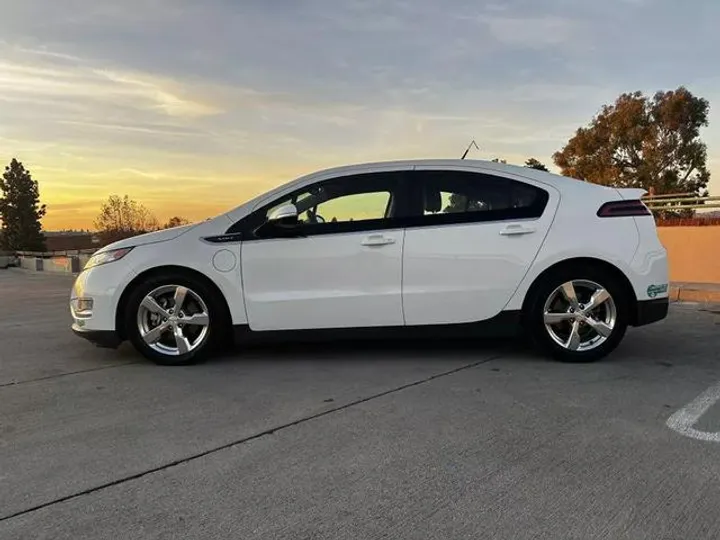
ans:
(377, 240)
(514, 230)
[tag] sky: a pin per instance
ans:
(193, 107)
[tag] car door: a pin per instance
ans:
(340, 266)
(471, 240)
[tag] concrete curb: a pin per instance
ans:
(703, 293)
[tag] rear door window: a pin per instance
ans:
(460, 197)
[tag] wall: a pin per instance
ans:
(694, 253)
(62, 262)
(60, 265)
(30, 263)
(7, 258)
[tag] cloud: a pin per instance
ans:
(34, 79)
(151, 129)
(49, 54)
(532, 32)
(159, 93)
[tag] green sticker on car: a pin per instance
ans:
(654, 290)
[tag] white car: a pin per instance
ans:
(418, 248)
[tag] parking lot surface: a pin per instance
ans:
(383, 440)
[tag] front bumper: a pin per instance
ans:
(95, 295)
(107, 339)
(650, 311)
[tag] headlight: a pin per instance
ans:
(82, 308)
(107, 257)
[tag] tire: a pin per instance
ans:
(599, 330)
(199, 321)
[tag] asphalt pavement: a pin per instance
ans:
(384, 440)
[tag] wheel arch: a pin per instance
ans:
(164, 270)
(606, 266)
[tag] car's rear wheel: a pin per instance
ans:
(173, 320)
(579, 314)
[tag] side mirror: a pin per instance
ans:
(281, 223)
(286, 214)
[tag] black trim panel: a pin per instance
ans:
(650, 311)
(106, 339)
(304, 230)
(470, 218)
(224, 238)
(505, 324)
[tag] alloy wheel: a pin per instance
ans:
(173, 320)
(580, 315)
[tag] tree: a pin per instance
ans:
(175, 221)
(533, 163)
(642, 142)
(20, 210)
(122, 218)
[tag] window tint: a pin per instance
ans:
(454, 202)
(457, 196)
(345, 204)
(333, 206)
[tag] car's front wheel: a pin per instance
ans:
(173, 320)
(579, 314)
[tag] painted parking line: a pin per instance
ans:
(684, 419)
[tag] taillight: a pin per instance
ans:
(623, 209)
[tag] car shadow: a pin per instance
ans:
(655, 345)
(372, 350)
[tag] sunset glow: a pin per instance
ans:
(191, 108)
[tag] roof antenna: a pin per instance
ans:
(468, 148)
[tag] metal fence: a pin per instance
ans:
(673, 202)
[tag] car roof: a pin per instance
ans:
(556, 180)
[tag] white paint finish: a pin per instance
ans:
(468, 272)
(684, 419)
(649, 268)
(324, 281)
(577, 232)
(156, 237)
(106, 283)
(224, 260)
(464, 273)
(650, 263)
(334, 281)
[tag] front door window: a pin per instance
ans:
(361, 202)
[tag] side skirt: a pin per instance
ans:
(504, 325)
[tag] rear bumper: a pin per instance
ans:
(650, 311)
(107, 339)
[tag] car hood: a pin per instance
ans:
(150, 238)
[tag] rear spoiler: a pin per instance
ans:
(629, 194)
